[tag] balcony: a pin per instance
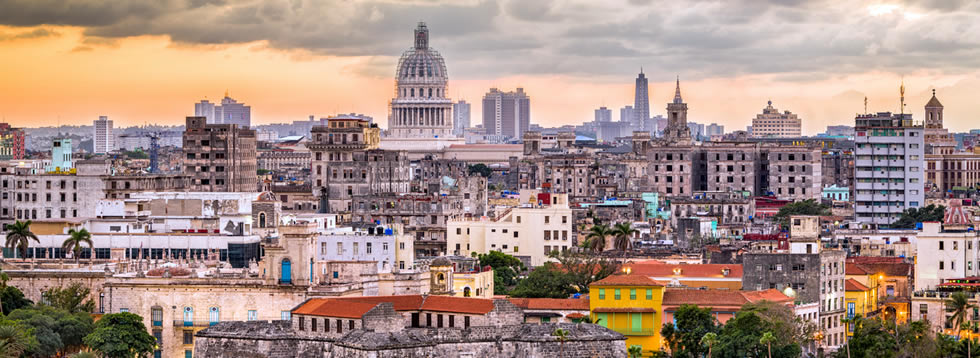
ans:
(181, 323)
(630, 332)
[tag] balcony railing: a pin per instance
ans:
(631, 332)
(183, 323)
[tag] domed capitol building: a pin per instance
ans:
(421, 108)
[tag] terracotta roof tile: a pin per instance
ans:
(457, 304)
(686, 270)
(575, 315)
(627, 280)
(400, 302)
(326, 307)
(721, 298)
(853, 285)
(551, 303)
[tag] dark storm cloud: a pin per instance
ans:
(577, 37)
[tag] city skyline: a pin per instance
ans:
(149, 73)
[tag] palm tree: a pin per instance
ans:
(74, 242)
(709, 339)
(967, 326)
(561, 336)
(847, 326)
(19, 236)
(767, 339)
(623, 232)
(635, 351)
(13, 340)
(960, 306)
(597, 237)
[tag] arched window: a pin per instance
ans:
(214, 316)
(466, 292)
(262, 219)
(188, 316)
(441, 278)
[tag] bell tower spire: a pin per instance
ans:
(421, 37)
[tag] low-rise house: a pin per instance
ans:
(547, 310)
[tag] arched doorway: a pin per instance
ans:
(466, 292)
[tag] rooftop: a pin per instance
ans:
(627, 280)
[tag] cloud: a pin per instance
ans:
(32, 34)
(697, 39)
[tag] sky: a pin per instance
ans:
(148, 61)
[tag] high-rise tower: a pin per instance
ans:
(641, 103)
(677, 117)
(103, 140)
(421, 107)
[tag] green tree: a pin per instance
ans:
(561, 336)
(912, 216)
(136, 154)
(72, 298)
(57, 331)
(583, 269)
(121, 335)
(804, 207)
(597, 237)
(783, 322)
(885, 339)
(959, 305)
(709, 339)
(635, 351)
(623, 232)
(15, 338)
(506, 268)
(12, 299)
(75, 240)
(546, 281)
(767, 339)
(742, 337)
(684, 336)
(481, 169)
(19, 237)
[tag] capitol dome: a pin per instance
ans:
(421, 107)
(421, 64)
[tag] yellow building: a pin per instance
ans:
(473, 284)
(631, 305)
(859, 300)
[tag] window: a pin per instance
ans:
(632, 294)
(649, 293)
(253, 315)
(617, 296)
(602, 293)
(941, 245)
(302, 323)
(188, 337)
(284, 315)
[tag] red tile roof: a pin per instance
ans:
(853, 285)
(627, 280)
(326, 307)
(575, 315)
(551, 303)
(428, 303)
(721, 298)
(457, 304)
(686, 270)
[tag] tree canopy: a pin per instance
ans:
(57, 331)
(506, 268)
(913, 216)
(582, 269)
(691, 324)
(547, 281)
(72, 298)
(11, 298)
(481, 169)
(121, 335)
(803, 207)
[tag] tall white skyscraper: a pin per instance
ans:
(103, 139)
(626, 114)
(603, 114)
(204, 109)
(228, 112)
(461, 117)
(641, 102)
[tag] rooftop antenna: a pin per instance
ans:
(901, 91)
(865, 104)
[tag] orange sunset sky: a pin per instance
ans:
(67, 62)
